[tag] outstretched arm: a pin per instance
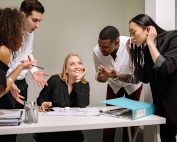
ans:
(13, 75)
(38, 78)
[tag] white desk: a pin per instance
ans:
(65, 123)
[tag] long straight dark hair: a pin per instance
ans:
(137, 53)
(144, 20)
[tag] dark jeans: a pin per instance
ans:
(109, 134)
(8, 102)
(69, 136)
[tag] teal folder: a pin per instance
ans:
(139, 109)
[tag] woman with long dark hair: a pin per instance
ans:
(154, 57)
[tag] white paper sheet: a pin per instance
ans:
(67, 111)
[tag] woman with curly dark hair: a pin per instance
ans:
(11, 38)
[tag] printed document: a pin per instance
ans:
(74, 111)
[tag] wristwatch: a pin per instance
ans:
(116, 78)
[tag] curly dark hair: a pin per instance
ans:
(12, 28)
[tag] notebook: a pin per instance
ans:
(10, 117)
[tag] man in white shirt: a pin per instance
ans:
(111, 59)
(33, 11)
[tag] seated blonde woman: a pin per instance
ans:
(68, 89)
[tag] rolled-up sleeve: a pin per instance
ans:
(160, 60)
(166, 63)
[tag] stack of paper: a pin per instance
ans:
(10, 117)
(138, 108)
(74, 111)
(116, 111)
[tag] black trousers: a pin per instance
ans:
(8, 138)
(8, 102)
(168, 132)
(167, 108)
(69, 136)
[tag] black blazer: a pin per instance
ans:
(57, 93)
(162, 75)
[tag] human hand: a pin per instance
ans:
(151, 35)
(38, 78)
(27, 64)
(16, 94)
(112, 74)
(128, 46)
(103, 74)
(79, 77)
(44, 106)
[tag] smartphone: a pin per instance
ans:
(49, 109)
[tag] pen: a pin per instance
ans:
(34, 65)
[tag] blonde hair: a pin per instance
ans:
(64, 75)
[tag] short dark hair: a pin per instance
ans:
(27, 6)
(109, 32)
(144, 20)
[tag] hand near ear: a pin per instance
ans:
(152, 33)
(128, 45)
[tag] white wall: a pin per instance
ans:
(74, 26)
(176, 14)
(164, 18)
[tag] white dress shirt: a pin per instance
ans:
(108, 62)
(22, 54)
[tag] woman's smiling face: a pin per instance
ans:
(74, 66)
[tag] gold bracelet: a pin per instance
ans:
(116, 78)
(10, 79)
